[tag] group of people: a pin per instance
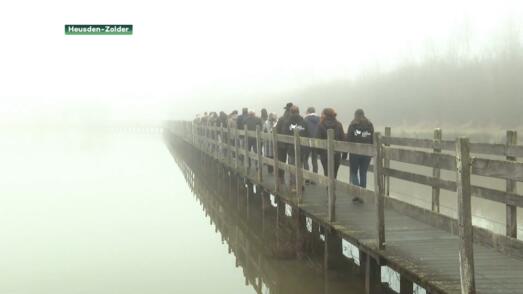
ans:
(311, 125)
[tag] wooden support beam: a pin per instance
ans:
(386, 163)
(511, 187)
(260, 155)
(406, 286)
(466, 253)
(378, 191)
(330, 173)
(299, 165)
(372, 275)
(333, 251)
(436, 171)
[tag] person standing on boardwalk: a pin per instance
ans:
(282, 147)
(264, 115)
(267, 127)
(240, 123)
(360, 130)
(312, 120)
(328, 121)
(294, 122)
(252, 121)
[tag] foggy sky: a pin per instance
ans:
(193, 56)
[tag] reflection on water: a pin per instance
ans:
(278, 250)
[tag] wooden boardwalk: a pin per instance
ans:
(413, 247)
(421, 245)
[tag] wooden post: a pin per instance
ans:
(406, 285)
(512, 217)
(436, 170)
(386, 163)
(330, 172)
(333, 251)
(372, 275)
(466, 252)
(259, 153)
(378, 191)
(246, 158)
(299, 165)
(277, 178)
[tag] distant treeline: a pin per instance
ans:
(484, 92)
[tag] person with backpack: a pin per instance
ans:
(282, 147)
(252, 121)
(328, 121)
(360, 130)
(294, 122)
(312, 120)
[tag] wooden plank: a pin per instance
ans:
(508, 198)
(299, 165)
(259, 153)
(314, 143)
(410, 142)
(378, 190)
(353, 190)
(436, 172)
(487, 148)
(266, 136)
(515, 150)
(285, 139)
(330, 173)
(317, 178)
(502, 169)
(478, 148)
(511, 187)
(358, 148)
(466, 249)
(250, 134)
(420, 179)
(443, 161)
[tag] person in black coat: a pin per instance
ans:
(312, 120)
(360, 130)
(328, 121)
(294, 122)
(251, 122)
(282, 147)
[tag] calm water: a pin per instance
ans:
(102, 212)
(110, 212)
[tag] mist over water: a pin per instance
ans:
(104, 212)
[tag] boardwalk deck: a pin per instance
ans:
(420, 250)
(413, 247)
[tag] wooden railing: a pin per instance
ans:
(223, 144)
